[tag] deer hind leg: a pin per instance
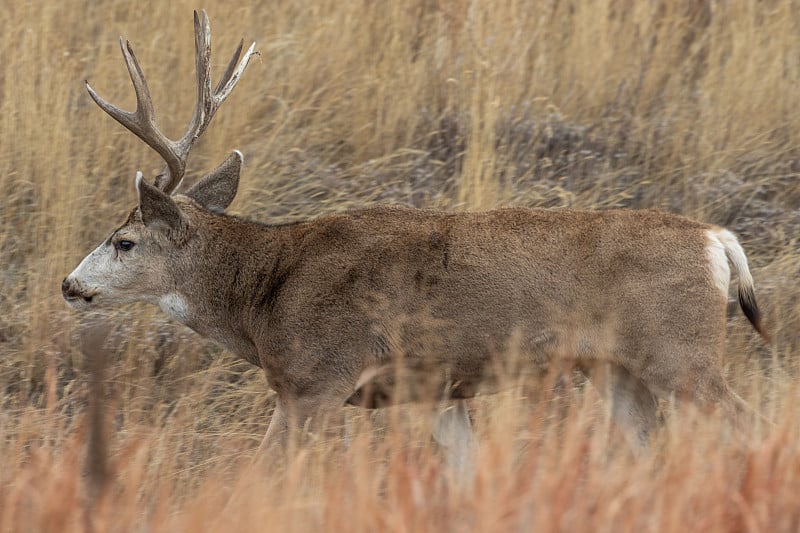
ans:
(452, 430)
(704, 385)
(709, 391)
(634, 407)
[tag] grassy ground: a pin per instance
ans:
(687, 106)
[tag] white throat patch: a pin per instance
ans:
(175, 305)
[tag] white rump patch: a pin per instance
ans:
(736, 255)
(175, 305)
(718, 262)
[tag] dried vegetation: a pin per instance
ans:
(687, 106)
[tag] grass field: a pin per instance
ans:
(686, 106)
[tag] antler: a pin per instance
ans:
(142, 122)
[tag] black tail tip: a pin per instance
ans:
(747, 301)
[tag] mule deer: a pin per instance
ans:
(325, 305)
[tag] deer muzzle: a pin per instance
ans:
(74, 294)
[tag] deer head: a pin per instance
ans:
(137, 261)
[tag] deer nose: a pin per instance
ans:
(73, 290)
(70, 290)
(66, 288)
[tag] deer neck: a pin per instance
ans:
(232, 286)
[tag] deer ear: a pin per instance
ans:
(158, 209)
(216, 190)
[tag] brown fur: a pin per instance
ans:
(317, 304)
(352, 307)
(339, 294)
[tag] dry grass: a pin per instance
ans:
(689, 106)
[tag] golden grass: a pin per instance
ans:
(688, 106)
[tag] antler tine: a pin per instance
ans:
(232, 75)
(226, 76)
(142, 121)
(207, 101)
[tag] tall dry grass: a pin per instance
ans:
(688, 106)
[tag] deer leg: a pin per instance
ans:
(277, 433)
(634, 407)
(452, 430)
(710, 390)
(278, 425)
(273, 443)
(293, 420)
(317, 416)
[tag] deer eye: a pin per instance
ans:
(124, 245)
